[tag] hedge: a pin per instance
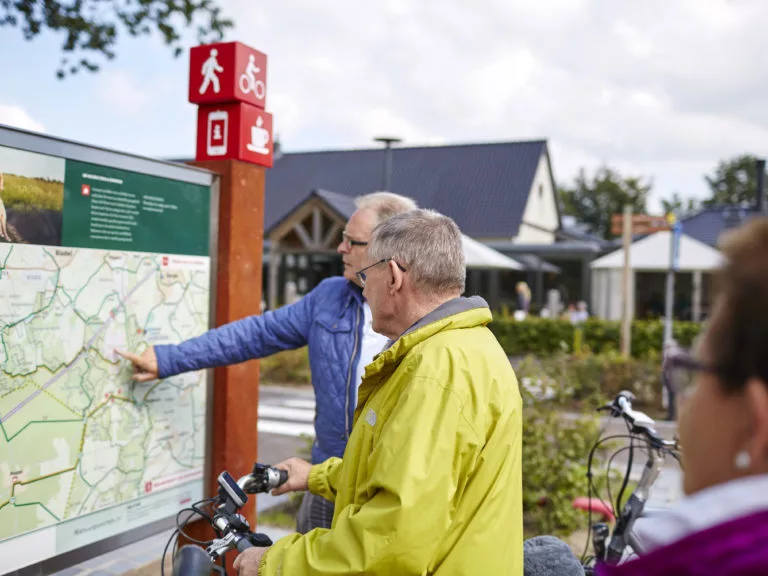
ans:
(545, 336)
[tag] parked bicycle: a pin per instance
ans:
(618, 546)
(222, 512)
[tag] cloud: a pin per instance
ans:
(17, 117)
(124, 92)
(659, 89)
(656, 88)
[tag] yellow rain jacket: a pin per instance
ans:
(430, 482)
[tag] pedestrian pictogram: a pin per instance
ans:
(209, 71)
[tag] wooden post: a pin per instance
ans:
(626, 315)
(274, 270)
(238, 294)
(696, 304)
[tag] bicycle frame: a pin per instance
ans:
(633, 509)
(623, 539)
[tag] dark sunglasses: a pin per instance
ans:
(361, 273)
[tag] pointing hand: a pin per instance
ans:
(144, 366)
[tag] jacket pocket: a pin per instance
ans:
(334, 325)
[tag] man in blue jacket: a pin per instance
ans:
(333, 320)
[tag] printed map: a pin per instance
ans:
(76, 435)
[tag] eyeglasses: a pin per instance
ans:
(680, 370)
(345, 238)
(361, 273)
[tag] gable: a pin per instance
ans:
(542, 209)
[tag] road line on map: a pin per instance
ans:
(77, 358)
(57, 400)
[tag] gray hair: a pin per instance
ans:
(385, 204)
(428, 244)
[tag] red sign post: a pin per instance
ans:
(237, 131)
(234, 139)
(228, 81)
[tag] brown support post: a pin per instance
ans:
(626, 287)
(238, 294)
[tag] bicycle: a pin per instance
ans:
(617, 547)
(248, 82)
(232, 529)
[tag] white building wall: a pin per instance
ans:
(541, 208)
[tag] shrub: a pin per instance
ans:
(556, 445)
(555, 452)
(544, 336)
(288, 367)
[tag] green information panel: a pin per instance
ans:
(94, 259)
(113, 209)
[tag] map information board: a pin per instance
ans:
(95, 259)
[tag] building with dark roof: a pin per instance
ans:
(501, 194)
(485, 188)
(708, 223)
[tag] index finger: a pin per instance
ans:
(127, 355)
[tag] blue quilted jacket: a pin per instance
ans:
(329, 319)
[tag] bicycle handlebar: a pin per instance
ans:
(232, 529)
(638, 421)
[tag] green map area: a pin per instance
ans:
(76, 435)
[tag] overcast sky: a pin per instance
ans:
(657, 88)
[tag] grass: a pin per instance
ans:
(289, 367)
(282, 515)
(22, 193)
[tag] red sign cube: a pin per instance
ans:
(234, 132)
(227, 72)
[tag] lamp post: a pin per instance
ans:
(388, 142)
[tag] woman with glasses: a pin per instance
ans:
(721, 526)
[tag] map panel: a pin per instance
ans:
(77, 434)
(96, 258)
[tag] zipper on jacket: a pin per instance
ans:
(349, 372)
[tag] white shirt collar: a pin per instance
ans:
(707, 508)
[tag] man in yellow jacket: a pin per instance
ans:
(430, 481)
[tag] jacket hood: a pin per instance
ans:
(454, 314)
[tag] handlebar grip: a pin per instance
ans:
(243, 544)
(283, 477)
(192, 561)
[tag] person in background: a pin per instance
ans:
(431, 480)
(579, 314)
(721, 526)
(523, 297)
(334, 320)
